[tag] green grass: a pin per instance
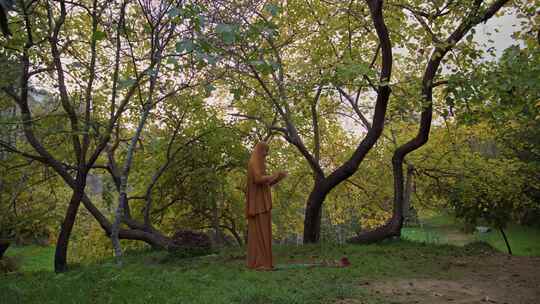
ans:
(33, 258)
(524, 241)
(439, 229)
(156, 277)
(424, 235)
(444, 229)
(153, 277)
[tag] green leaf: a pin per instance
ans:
(209, 88)
(174, 12)
(172, 60)
(185, 45)
(262, 66)
(228, 38)
(236, 93)
(273, 9)
(227, 32)
(150, 72)
(124, 83)
(99, 35)
(211, 59)
(224, 28)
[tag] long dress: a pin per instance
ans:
(258, 212)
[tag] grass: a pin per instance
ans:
(524, 241)
(153, 277)
(150, 276)
(444, 229)
(33, 257)
(439, 229)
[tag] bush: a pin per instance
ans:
(479, 247)
(188, 243)
(8, 264)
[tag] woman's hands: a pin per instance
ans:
(278, 177)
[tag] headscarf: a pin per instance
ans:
(258, 197)
(257, 159)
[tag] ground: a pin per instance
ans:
(488, 278)
(398, 271)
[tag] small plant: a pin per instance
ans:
(8, 264)
(188, 243)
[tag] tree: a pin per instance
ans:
(266, 69)
(504, 96)
(493, 193)
(475, 14)
(93, 101)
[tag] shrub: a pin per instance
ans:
(8, 264)
(188, 243)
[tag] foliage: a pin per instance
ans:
(8, 264)
(190, 244)
(29, 196)
(494, 193)
(503, 96)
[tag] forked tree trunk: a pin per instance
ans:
(325, 184)
(393, 226)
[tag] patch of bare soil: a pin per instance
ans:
(480, 279)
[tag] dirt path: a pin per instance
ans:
(480, 279)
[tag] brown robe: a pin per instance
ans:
(258, 210)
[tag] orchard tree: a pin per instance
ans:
(439, 22)
(295, 96)
(97, 61)
(489, 190)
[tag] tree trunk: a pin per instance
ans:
(60, 255)
(137, 231)
(219, 239)
(118, 215)
(392, 228)
(312, 219)
(506, 241)
(407, 193)
(237, 237)
(4, 245)
(323, 186)
(407, 215)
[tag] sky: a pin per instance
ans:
(507, 25)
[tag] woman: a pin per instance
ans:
(258, 209)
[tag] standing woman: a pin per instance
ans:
(258, 209)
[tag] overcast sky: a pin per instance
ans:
(507, 25)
